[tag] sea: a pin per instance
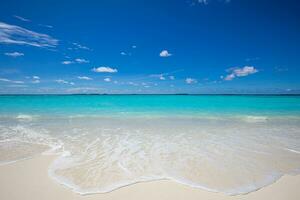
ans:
(234, 144)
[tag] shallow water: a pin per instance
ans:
(230, 144)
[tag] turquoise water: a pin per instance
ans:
(150, 104)
(229, 144)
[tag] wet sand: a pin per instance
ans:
(29, 180)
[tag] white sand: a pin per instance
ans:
(29, 180)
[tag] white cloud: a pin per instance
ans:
(104, 69)
(159, 76)
(18, 86)
(133, 46)
(132, 83)
(61, 81)
(84, 90)
(14, 54)
(77, 60)
(81, 60)
(84, 78)
(123, 53)
(11, 81)
(172, 77)
(191, 80)
(164, 53)
(240, 72)
(205, 2)
(229, 77)
(36, 79)
(107, 79)
(22, 18)
(245, 71)
(11, 34)
(45, 25)
(79, 46)
(67, 62)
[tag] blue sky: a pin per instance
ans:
(167, 46)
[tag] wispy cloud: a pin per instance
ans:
(133, 46)
(252, 59)
(202, 1)
(205, 2)
(191, 81)
(81, 60)
(14, 54)
(17, 86)
(61, 81)
(11, 81)
(159, 76)
(4, 71)
(104, 69)
(79, 46)
(45, 25)
(84, 78)
(67, 62)
(36, 79)
(77, 60)
(239, 72)
(163, 76)
(132, 83)
(11, 34)
(165, 53)
(84, 90)
(107, 79)
(22, 18)
(281, 69)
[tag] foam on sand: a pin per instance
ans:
(101, 154)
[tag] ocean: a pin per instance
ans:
(233, 144)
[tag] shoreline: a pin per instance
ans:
(29, 179)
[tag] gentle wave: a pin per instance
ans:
(99, 155)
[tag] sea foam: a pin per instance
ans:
(101, 154)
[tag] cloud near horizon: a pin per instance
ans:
(61, 81)
(239, 72)
(11, 81)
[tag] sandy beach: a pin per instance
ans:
(28, 179)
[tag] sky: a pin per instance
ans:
(150, 46)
